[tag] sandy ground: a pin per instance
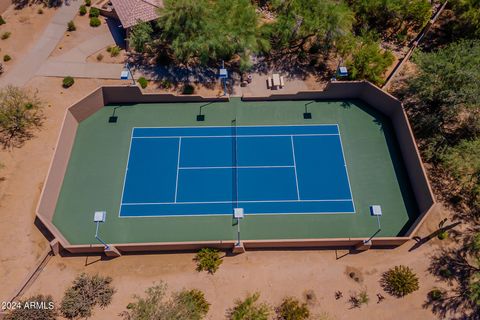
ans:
(83, 33)
(275, 274)
(24, 172)
(26, 26)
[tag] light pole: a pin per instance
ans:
(376, 211)
(98, 217)
(238, 214)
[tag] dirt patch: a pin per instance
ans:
(354, 273)
(26, 26)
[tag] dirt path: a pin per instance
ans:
(44, 45)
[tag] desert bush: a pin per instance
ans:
(40, 11)
(71, 26)
(68, 82)
(443, 235)
(435, 294)
(94, 13)
(143, 82)
(166, 84)
(99, 57)
(359, 299)
(82, 10)
(46, 312)
(95, 22)
(400, 281)
(6, 58)
(6, 35)
(85, 293)
(249, 309)
(2, 21)
(20, 112)
(208, 259)
(292, 309)
(114, 51)
(88, 3)
(183, 305)
(188, 89)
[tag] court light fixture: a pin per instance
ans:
(375, 211)
(307, 115)
(238, 214)
(98, 217)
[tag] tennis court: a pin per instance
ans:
(189, 171)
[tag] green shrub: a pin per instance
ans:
(194, 302)
(143, 82)
(20, 112)
(208, 259)
(249, 309)
(46, 312)
(68, 82)
(6, 58)
(357, 300)
(88, 3)
(94, 13)
(400, 281)
(435, 294)
(82, 10)
(6, 35)
(188, 89)
(85, 293)
(71, 26)
(445, 273)
(40, 11)
(95, 22)
(443, 235)
(114, 51)
(2, 21)
(183, 305)
(292, 309)
(166, 84)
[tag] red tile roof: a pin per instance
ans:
(131, 11)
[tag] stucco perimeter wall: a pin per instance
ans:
(133, 95)
(126, 248)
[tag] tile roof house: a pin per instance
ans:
(130, 12)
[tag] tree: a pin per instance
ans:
(183, 305)
(292, 309)
(391, 17)
(203, 31)
(140, 35)
(20, 113)
(468, 17)
(249, 309)
(368, 60)
(399, 281)
(303, 23)
(444, 96)
(86, 292)
(463, 163)
(208, 260)
(30, 310)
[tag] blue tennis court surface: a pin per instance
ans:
(184, 171)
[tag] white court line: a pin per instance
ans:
(125, 175)
(240, 136)
(243, 201)
(295, 168)
(346, 168)
(252, 126)
(234, 167)
(178, 165)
